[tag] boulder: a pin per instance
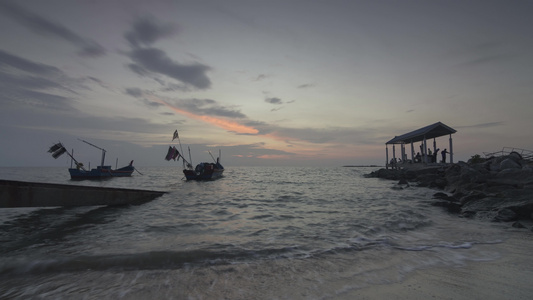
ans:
(505, 215)
(498, 189)
(509, 164)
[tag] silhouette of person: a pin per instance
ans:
(443, 153)
(434, 158)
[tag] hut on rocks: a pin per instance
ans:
(424, 155)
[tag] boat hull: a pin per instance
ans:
(205, 175)
(101, 172)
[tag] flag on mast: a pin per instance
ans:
(170, 153)
(176, 135)
(57, 150)
(176, 154)
(55, 147)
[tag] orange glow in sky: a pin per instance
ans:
(219, 122)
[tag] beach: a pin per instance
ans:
(509, 277)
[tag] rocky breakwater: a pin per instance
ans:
(498, 189)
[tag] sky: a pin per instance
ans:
(268, 83)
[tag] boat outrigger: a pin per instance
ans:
(101, 171)
(202, 171)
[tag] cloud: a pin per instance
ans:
(142, 96)
(208, 111)
(13, 61)
(44, 26)
(274, 100)
(24, 82)
(24, 99)
(207, 107)
(135, 92)
(261, 77)
(147, 30)
(305, 86)
(255, 150)
(482, 125)
(155, 60)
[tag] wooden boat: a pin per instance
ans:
(202, 171)
(101, 172)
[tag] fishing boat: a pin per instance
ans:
(202, 171)
(100, 172)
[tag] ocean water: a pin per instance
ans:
(256, 233)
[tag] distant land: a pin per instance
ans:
(358, 166)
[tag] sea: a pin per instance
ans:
(255, 233)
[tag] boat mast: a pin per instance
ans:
(212, 157)
(103, 150)
(190, 158)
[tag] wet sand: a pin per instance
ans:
(509, 277)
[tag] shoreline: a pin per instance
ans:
(508, 277)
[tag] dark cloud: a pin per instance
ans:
(140, 94)
(482, 125)
(147, 30)
(157, 61)
(305, 86)
(135, 92)
(207, 107)
(138, 70)
(151, 104)
(31, 84)
(22, 64)
(172, 87)
(260, 77)
(27, 81)
(274, 100)
(43, 26)
(28, 99)
(100, 83)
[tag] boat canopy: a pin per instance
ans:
(431, 131)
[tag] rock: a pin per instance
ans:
(515, 156)
(403, 181)
(506, 215)
(509, 164)
(518, 225)
(439, 183)
(498, 189)
(468, 214)
(450, 206)
(440, 195)
(471, 196)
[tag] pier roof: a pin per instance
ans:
(428, 132)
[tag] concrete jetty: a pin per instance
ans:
(33, 194)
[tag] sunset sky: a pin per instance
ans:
(297, 83)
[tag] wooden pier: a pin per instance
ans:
(33, 194)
